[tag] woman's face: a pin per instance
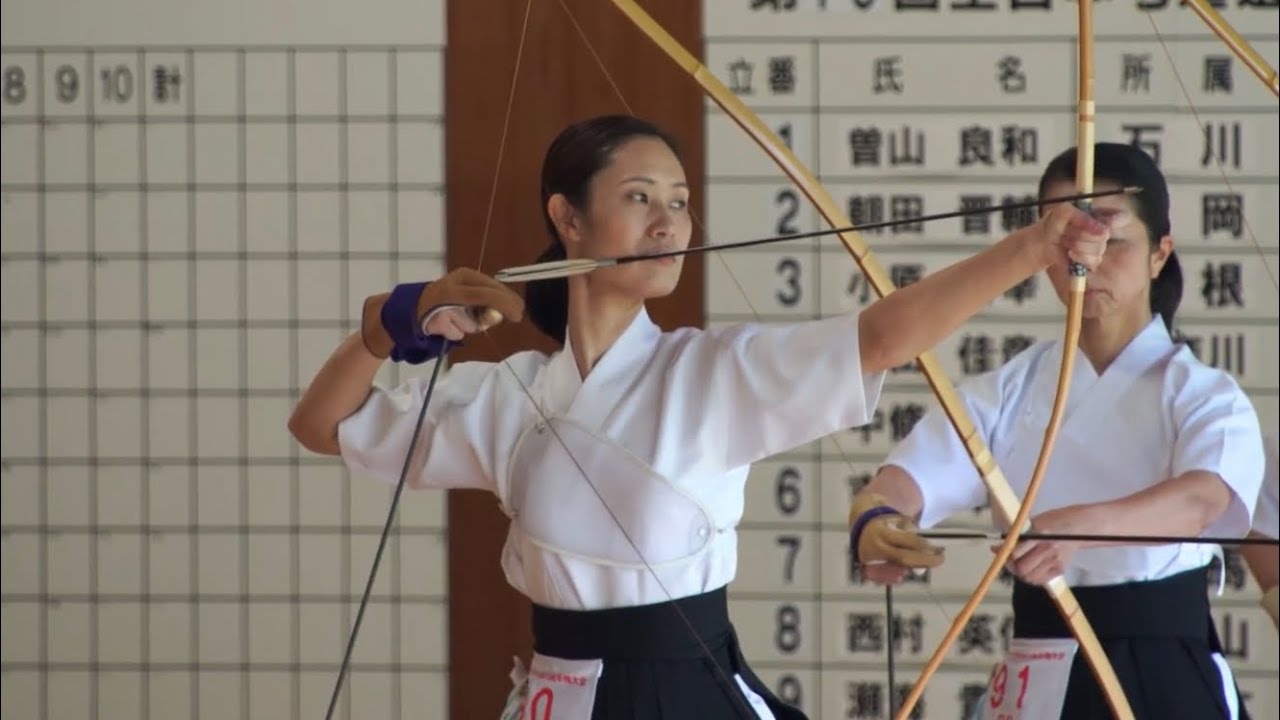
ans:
(1122, 282)
(638, 204)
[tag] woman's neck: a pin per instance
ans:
(1103, 339)
(596, 322)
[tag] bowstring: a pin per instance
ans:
(617, 90)
(702, 229)
(833, 438)
(706, 650)
(1217, 161)
(841, 450)
(386, 533)
(755, 313)
(613, 84)
(502, 142)
(426, 401)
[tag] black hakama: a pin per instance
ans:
(1160, 638)
(655, 668)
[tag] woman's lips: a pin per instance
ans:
(665, 259)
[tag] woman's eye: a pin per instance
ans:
(680, 204)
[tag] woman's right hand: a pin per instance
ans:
(467, 301)
(462, 302)
(890, 545)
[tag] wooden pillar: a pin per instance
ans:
(559, 82)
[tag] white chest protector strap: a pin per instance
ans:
(598, 501)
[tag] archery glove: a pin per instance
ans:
(889, 536)
(392, 319)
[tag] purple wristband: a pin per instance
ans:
(855, 533)
(400, 319)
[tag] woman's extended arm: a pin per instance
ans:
(909, 321)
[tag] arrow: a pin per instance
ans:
(566, 268)
(1145, 539)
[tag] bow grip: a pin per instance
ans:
(1075, 268)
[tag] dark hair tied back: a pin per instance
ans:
(1166, 290)
(547, 301)
(575, 156)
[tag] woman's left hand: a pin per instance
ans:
(1036, 562)
(1066, 233)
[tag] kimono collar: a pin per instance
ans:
(1148, 347)
(1150, 344)
(611, 375)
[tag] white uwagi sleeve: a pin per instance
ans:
(769, 388)
(459, 442)
(1218, 432)
(1266, 515)
(936, 459)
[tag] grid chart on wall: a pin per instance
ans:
(193, 209)
(910, 107)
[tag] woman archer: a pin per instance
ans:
(621, 458)
(1153, 442)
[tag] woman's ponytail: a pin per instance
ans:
(547, 301)
(1166, 290)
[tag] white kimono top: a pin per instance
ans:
(1266, 516)
(1155, 413)
(664, 427)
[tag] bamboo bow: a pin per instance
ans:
(1085, 141)
(1257, 64)
(1057, 588)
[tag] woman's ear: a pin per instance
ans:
(565, 217)
(1160, 255)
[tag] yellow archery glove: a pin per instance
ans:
(880, 533)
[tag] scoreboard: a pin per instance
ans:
(905, 108)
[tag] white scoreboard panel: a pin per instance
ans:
(196, 197)
(911, 107)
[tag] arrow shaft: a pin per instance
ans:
(1083, 537)
(564, 268)
(1020, 205)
